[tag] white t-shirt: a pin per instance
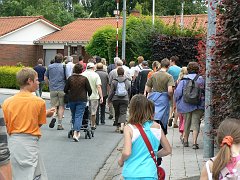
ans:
(94, 81)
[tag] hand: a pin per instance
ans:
(50, 112)
(101, 100)
(120, 162)
(109, 103)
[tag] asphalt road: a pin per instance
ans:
(68, 160)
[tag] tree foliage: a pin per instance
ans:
(226, 65)
(139, 39)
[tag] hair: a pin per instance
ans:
(182, 73)
(40, 61)
(52, 61)
(165, 63)
(92, 60)
(150, 110)
(80, 58)
(120, 71)
(99, 66)
(140, 59)
(138, 108)
(24, 74)
(116, 59)
(98, 59)
(119, 62)
(156, 65)
(174, 59)
(70, 59)
(131, 64)
(58, 58)
(229, 127)
(78, 68)
(193, 67)
(103, 61)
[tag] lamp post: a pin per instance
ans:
(153, 12)
(208, 145)
(124, 31)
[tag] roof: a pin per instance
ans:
(82, 29)
(10, 24)
(188, 20)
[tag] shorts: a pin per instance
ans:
(93, 106)
(57, 98)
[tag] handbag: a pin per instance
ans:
(160, 170)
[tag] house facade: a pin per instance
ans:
(17, 36)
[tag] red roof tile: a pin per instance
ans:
(83, 29)
(80, 30)
(9, 24)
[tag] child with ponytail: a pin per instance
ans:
(226, 163)
(136, 160)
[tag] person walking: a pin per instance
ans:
(40, 69)
(78, 88)
(192, 112)
(105, 88)
(24, 114)
(56, 77)
(136, 159)
(96, 96)
(226, 164)
(119, 96)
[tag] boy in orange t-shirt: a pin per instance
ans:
(24, 113)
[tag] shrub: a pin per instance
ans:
(226, 68)
(8, 77)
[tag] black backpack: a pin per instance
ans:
(192, 91)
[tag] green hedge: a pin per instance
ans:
(8, 77)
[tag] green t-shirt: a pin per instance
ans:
(160, 81)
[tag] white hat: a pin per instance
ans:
(90, 65)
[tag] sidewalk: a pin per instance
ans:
(45, 95)
(184, 163)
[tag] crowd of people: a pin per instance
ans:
(154, 99)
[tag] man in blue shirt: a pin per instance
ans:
(40, 69)
(55, 77)
(174, 70)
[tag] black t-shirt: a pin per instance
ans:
(41, 71)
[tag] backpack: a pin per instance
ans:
(192, 92)
(121, 90)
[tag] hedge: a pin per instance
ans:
(8, 77)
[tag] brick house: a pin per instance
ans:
(17, 36)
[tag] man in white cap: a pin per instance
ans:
(95, 83)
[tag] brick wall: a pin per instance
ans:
(26, 54)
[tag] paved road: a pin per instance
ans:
(68, 160)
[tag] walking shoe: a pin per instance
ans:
(75, 139)
(102, 123)
(170, 122)
(93, 128)
(60, 127)
(185, 144)
(110, 117)
(195, 146)
(175, 126)
(52, 123)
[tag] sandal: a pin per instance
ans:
(195, 146)
(181, 139)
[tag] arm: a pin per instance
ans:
(111, 93)
(50, 112)
(167, 149)
(88, 87)
(204, 174)
(179, 91)
(67, 87)
(127, 147)
(100, 93)
(170, 92)
(46, 77)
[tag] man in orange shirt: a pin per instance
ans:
(24, 114)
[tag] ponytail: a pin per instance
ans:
(221, 160)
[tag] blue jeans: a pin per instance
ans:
(77, 109)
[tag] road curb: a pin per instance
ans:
(111, 170)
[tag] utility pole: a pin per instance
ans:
(208, 143)
(117, 15)
(124, 30)
(153, 12)
(182, 12)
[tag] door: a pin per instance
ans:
(49, 55)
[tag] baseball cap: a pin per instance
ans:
(90, 65)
